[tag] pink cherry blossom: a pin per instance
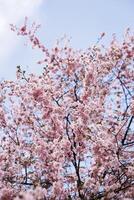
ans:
(68, 133)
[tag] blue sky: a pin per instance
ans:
(82, 20)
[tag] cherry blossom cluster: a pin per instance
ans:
(68, 133)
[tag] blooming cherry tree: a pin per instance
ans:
(68, 133)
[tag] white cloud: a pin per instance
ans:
(14, 11)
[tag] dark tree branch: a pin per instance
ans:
(125, 136)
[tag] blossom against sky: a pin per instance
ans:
(13, 11)
(83, 20)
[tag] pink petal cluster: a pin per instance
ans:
(68, 133)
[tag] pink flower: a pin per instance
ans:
(23, 29)
(38, 95)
